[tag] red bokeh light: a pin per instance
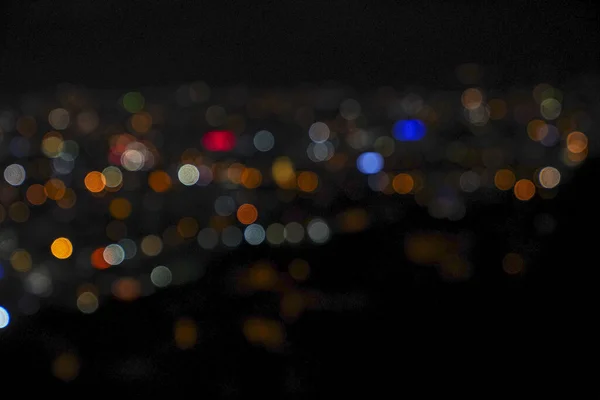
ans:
(219, 141)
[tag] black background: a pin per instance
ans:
(500, 330)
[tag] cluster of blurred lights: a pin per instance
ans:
(135, 174)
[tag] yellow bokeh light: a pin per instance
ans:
(61, 248)
(283, 173)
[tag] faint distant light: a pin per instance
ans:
(62, 167)
(359, 139)
(318, 132)
(59, 118)
(186, 333)
(141, 122)
(216, 115)
(132, 160)
(39, 283)
(126, 288)
(208, 238)
(549, 177)
(61, 248)
(378, 182)
(403, 183)
(224, 206)
(133, 102)
(27, 126)
(497, 109)
(254, 234)
(299, 269)
(4, 318)
(469, 73)
(471, 98)
(409, 130)
(69, 150)
(113, 176)
(318, 152)
(318, 231)
(550, 109)
(478, 116)
(120, 208)
(308, 181)
(537, 130)
(15, 174)
(87, 302)
(293, 232)
(275, 234)
(470, 181)
(20, 260)
(159, 181)
(350, 109)
(219, 141)
(151, 245)
(129, 248)
(20, 146)
(504, 179)
(552, 136)
(205, 176)
(369, 163)
(577, 142)
(52, 144)
(161, 276)
(199, 91)
(87, 121)
(544, 224)
(188, 174)
(513, 264)
(524, 189)
(251, 178)
(412, 103)
(231, 236)
(113, 254)
(264, 141)
(385, 146)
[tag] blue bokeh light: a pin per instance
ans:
(409, 130)
(4, 317)
(369, 163)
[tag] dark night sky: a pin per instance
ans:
(121, 43)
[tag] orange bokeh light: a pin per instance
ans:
(247, 214)
(524, 189)
(95, 181)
